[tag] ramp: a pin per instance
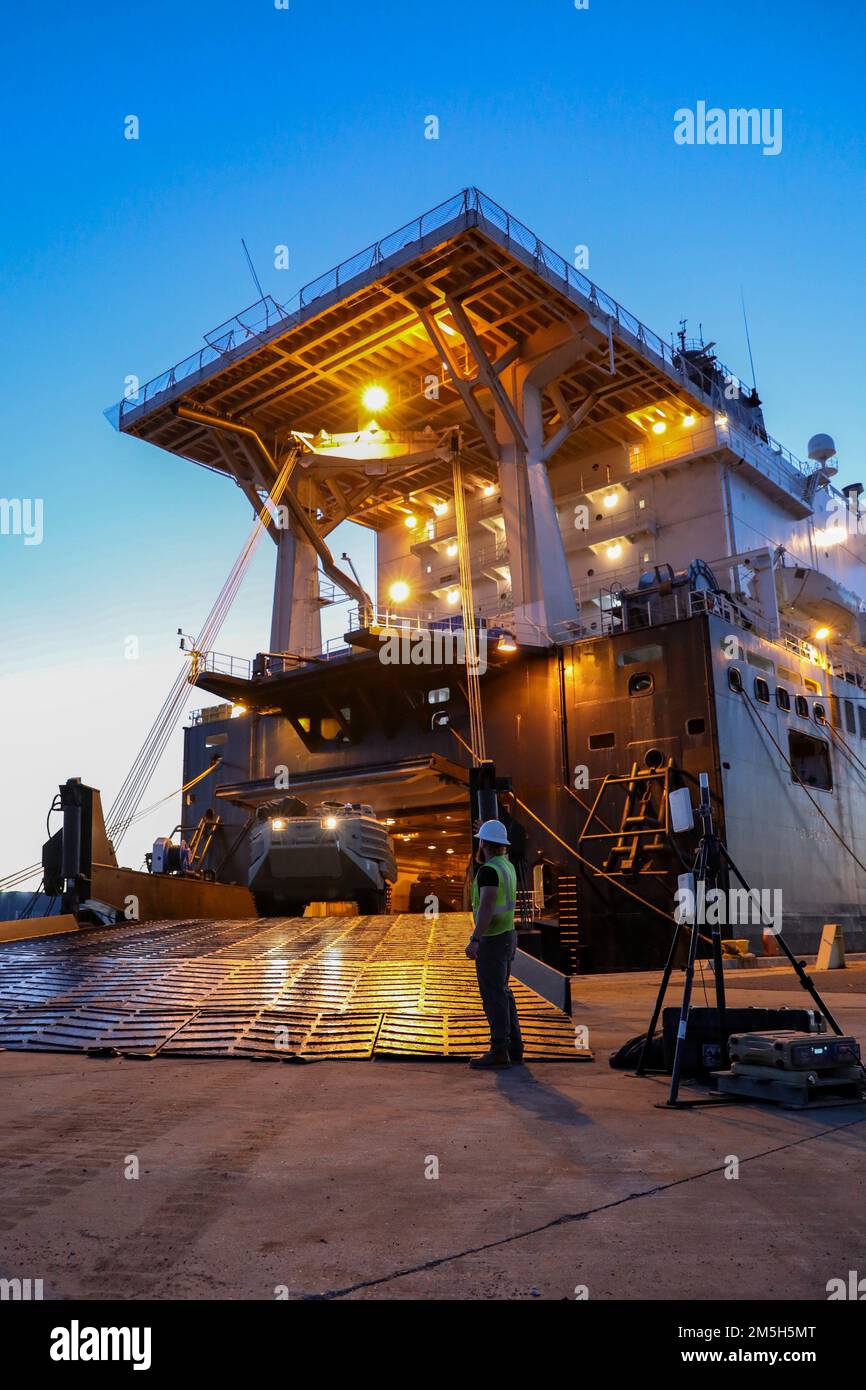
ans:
(277, 989)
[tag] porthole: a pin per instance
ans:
(783, 699)
(735, 680)
(762, 690)
(642, 683)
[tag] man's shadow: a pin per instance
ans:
(522, 1088)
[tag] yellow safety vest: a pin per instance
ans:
(506, 895)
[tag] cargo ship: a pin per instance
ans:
(597, 576)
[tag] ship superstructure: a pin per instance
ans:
(658, 588)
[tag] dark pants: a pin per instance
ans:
(493, 968)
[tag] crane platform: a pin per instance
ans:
(278, 989)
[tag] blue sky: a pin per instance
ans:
(305, 127)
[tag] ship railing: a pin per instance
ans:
(266, 663)
(221, 664)
(490, 553)
(851, 676)
(652, 453)
(486, 555)
(267, 318)
(444, 528)
(616, 610)
(409, 623)
(835, 661)
(707, 601)
(799, 646)
(768, 456)
(210, 714)
(278, 663)
(765, 454)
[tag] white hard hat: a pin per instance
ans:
(494, 831)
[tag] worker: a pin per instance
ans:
(493, 944)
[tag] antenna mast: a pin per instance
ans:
(748, 340)
(252, 270)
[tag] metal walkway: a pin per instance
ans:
(273, 989)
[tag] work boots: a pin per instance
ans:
(496, 1057)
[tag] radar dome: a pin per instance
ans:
(821, 448)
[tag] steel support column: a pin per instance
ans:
(296, 624)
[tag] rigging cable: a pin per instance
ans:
(800, 783)
(837, 736)
(644, 902)
(181, 791)
(22, 875)
(142, 770)
(138, 778)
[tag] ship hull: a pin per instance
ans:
(579, 730)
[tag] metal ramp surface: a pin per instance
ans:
(273, 989)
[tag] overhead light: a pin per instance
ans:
(449, 851)
(614, 551)
(490, 489)
(688, 421)
(721, 420)
(278, 824)
(389, 820)
(822, 634)
(399, 591)
(610, 500)
(411, 522)
(506, 643)
(238, 710)
(375, 398)
(440, 508)
(453, 595)
(330, 822)
(659, 427)
(452, 549)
